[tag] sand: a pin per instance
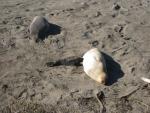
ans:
(119, 28)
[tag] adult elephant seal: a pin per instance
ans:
(38, 28)
(94, 65)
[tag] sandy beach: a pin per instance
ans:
(119, 28)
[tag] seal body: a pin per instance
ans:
(38, 26)
(94, 65)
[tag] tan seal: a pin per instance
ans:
(94, 65)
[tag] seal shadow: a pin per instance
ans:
(114, 71)
(70, 61)
(52, 29)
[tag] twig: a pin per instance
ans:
(3, 52)
(132, 92)
(100, 98)
(118, 49)
(3, 76)
(146, 105)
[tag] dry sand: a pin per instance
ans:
(120, 28)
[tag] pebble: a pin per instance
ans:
(116, 7)
(4, 88)
(19, 92)
(95, 43)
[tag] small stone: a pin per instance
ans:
(52, 14)
(18, 92)
(121, 35)
(5, 22)
(18, 20)
(27, 10)
(18, 27)
(127, 38)
(118, 28)
(38, 97)
(86, 35)
(103, 45)
(4, 88)
(31, 92)
(116, 7)
(132, 69)
(98, 13)
(24, 95)
(110, 36)
(113, 15)
(94, 43)
(83, 3)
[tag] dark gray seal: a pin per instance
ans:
(38, 28)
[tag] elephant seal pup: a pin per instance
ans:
(94, 65)
(38, 28)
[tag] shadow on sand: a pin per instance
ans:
(70, 61)
(52, 29)
(114, 71)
